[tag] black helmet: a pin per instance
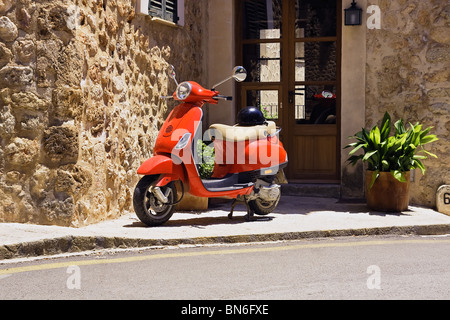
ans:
(250, 116)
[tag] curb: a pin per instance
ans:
(75, 244)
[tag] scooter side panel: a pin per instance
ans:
(253, 155)
(185, 118)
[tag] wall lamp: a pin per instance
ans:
(353, 15)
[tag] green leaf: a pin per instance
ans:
(425, 132)
(429, 153)
(369, 154)
(399, 142)
(417, 128)
(419, 165)
(354, 159)
(385, 126)
(360, 136)
(399, 127)
(375, 176)
(351, 145)
(356, 149)
(375, 136)
(366, 136)
(385, 165)
(399, 175)
(428, 139)
(411, 135)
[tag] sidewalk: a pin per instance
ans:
(295, 218)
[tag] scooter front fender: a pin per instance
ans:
(163, 165)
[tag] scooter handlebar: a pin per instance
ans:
(220, 97)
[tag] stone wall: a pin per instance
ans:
(408, 74)
(80, 82)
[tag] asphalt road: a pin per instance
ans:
(342, 268)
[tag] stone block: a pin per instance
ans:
(5, 55)
(8, 30)
(441, 34)
(7, 121)
(16, 76)
(67, 102)
(41, 183)
(61, 144)
(21, 153)
(24, 100)
(57, 211)
(438, 53)
(73, 180)
(5, 5)
(25, 50)
(443, 199)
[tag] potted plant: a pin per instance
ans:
(390, 158)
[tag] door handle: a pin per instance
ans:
(291, 96)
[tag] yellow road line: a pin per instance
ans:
(213, 252)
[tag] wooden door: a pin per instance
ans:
(291, 50)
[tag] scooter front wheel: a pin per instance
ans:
(149, 209)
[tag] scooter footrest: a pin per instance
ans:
(231, 188)
(228, 183)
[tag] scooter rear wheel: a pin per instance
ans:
(262, 207)
(147, 207)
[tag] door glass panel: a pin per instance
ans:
(315, 18)
(262, 62)
(262, 19)
(315, 104)
(266, 100)
(315, 61)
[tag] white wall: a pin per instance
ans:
(353, 103)
(221, 53)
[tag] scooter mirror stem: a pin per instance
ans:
(173, 74)
(239, 74)
(221, 82)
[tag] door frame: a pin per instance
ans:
(287, 45)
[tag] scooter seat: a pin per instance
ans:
(238, 134)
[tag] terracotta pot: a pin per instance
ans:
(387, 193)
(192, 203)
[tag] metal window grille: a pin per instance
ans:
(164, 9)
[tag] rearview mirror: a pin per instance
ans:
(239, 74)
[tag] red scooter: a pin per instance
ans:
(249, 158)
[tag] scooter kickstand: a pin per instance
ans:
(250, 214)
(230, 215)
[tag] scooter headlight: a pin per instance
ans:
(183, 90)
